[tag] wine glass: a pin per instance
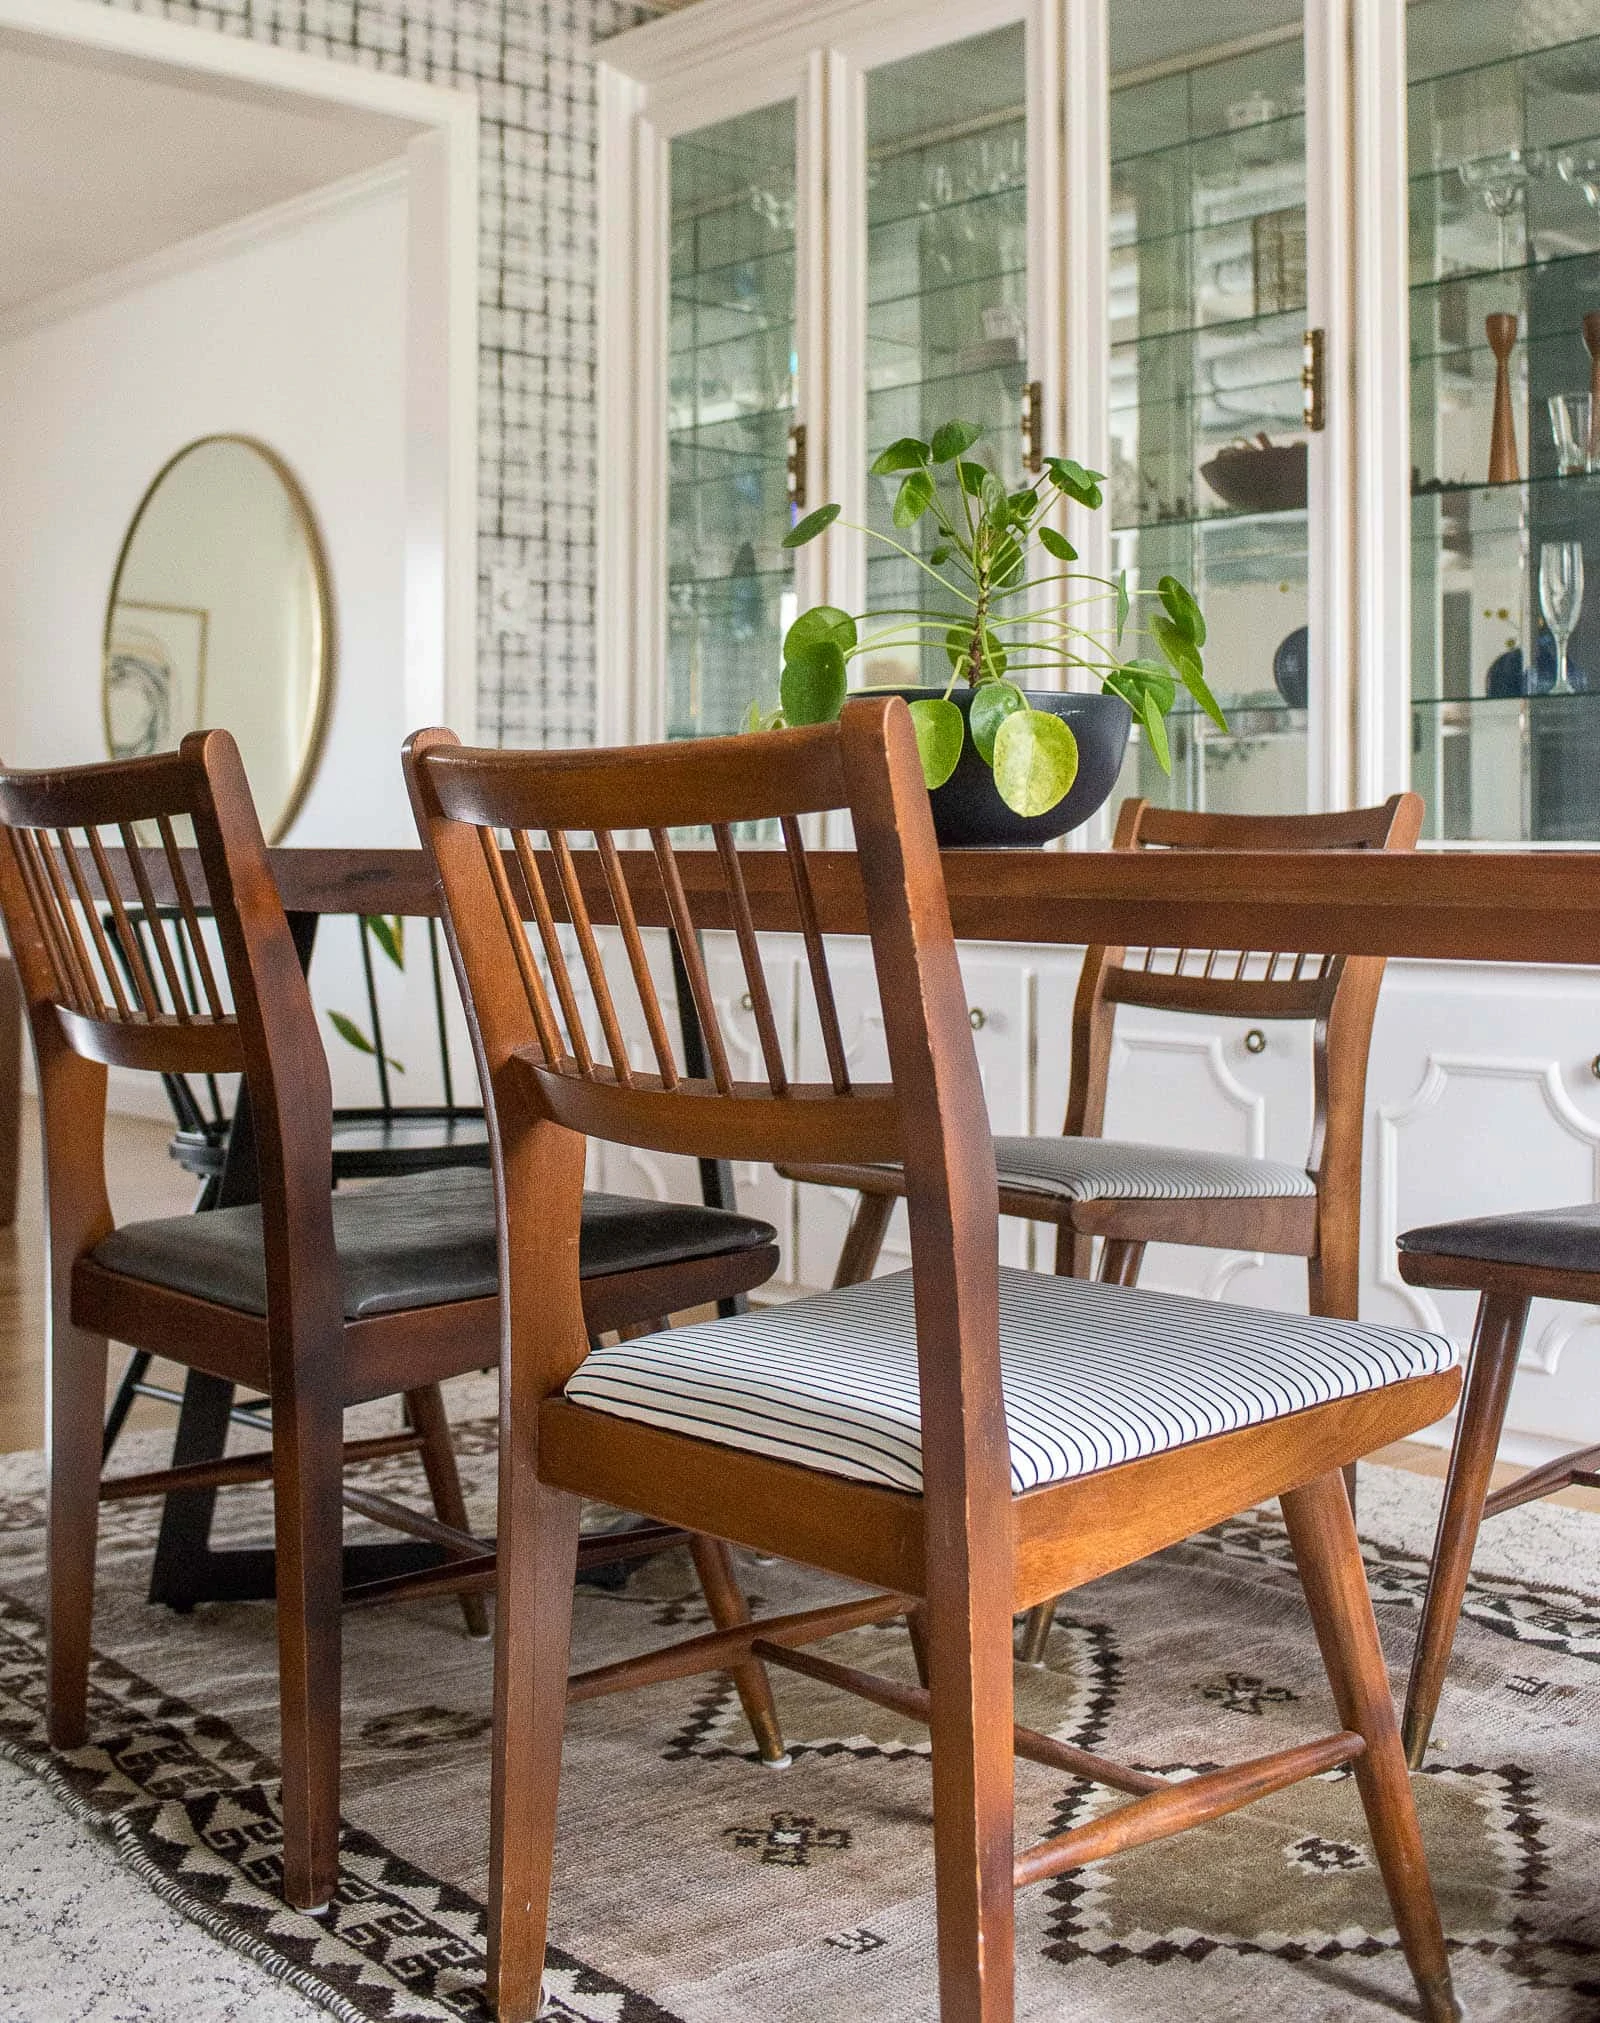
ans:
(1561, 599)
(1501, 183)
(1570, 422)
(1580, 168)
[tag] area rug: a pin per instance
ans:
(696, 1886)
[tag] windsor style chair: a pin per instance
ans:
(1509, 1261)
(318, 1300)
(965, 1440)
(1131, 1195)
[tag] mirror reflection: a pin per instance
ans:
(219, 617)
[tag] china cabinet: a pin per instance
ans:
(1247, 261)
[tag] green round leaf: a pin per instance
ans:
(953, 440)
(821, 622)
(1182, 608)
(992, 703)
(908, 454)
(1069, 476)
(811, 526)
(970, 477)
(1035, 761)
(913, 499)
(813, 685)
(941, 555)
(940, 734)
(1057, 545)
(996, 505)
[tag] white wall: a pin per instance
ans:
(298, 339)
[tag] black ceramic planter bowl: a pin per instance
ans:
(968, 813)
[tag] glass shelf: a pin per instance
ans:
(1498, 767)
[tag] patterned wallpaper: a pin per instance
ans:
(529, 62)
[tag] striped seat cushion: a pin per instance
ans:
(1103, 1169)
(1094, 1375)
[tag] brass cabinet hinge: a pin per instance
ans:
(1033, 426)
(795, 468)
(1314, 381)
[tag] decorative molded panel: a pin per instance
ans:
(1545, 1150)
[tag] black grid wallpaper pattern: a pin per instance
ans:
(530, 64)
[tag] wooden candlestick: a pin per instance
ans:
(1591, 337)
(1501, 331)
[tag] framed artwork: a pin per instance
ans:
(155, 676)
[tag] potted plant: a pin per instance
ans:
(1004, 763)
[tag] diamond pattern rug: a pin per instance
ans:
(696, 1886)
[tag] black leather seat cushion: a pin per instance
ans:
(1545, 1239)
(420, 1241)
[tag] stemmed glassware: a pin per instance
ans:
(1571, 426)
(1561, 599)
(1581, 169)
(1501, 182)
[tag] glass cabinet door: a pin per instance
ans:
(1504, 117)
(947, 289)
(1208, 312)
(731, 394)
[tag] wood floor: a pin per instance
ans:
(145, 1182)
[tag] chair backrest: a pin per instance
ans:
(85, 845)
(544, 1081)
(1338, 994)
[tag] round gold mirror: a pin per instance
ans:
(219, 618)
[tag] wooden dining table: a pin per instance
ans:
(1445, 906)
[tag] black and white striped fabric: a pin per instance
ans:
(1094, 1375)
(1104, 1169)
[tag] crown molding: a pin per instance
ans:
(276, 221)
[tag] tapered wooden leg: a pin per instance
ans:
(725, 1599)
(76, 1376)
(1328, 1554)
(1333, 1285)
(1496, 1342)
(1036, 1631)
(1121, 1260)
(864, 1240)
(533, 1637)
(917, 1627)
(425, 1410)
(969, 1653)
(307, 1458)
(1074, 1253)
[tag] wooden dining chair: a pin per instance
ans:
(965, 1440)
(1131, 1195)
(1509, 1261)
(318, 1300)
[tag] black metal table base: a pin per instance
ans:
(188, 1569)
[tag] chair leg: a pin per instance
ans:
(138, 1368)
(1036, 1631)
(77, 1380)
(1121, 1260)
(1496, 1341)
(425, 1410)
(969, 1654)
(307, 1461)
(868, 1226)
(1333, 1285)
(533, 1637)
(1328, 1554)
(725, 1599)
